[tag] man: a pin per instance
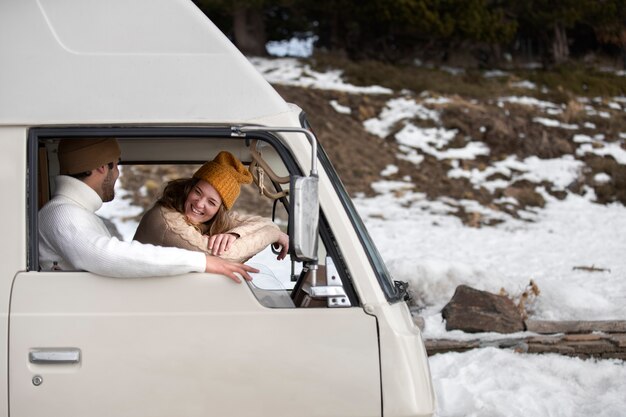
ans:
(73, 237)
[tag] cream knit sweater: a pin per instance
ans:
(167, 227)
(71, 235)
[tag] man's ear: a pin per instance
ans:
(102, 169)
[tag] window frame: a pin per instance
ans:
(383, 276)
(35, 135)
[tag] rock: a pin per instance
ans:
(525, 195)
(474, 311)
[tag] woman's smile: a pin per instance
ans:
(196, 211)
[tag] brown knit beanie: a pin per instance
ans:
(226, 174)
(82, 155)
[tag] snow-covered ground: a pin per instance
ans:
(435, 252)
(499, 383)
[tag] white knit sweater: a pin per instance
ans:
(71, 235)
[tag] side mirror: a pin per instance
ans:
(304, 217)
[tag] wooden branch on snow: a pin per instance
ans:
(599, 345)
(591, 268)
(552, 327)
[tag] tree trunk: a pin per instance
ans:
(338, 41)
(560, 46)
(249, 30)
(622, 44)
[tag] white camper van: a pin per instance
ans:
(324, 333)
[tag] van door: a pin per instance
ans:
(191, 345)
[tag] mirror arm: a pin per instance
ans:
(257, 160)
(242, 130)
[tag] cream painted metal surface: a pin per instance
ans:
(123, 61)
(13, 225)
(196, 345)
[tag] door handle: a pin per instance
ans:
(54, 355)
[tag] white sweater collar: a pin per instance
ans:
(78, 191)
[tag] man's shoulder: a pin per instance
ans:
(61, 204)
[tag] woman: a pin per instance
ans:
(194, 213)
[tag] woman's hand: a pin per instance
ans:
(220, 243)
(283, 244)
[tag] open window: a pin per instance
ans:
(153, 156)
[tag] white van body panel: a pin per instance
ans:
(198, 345)
(123, 61)
(13, 226)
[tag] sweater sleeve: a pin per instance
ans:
(77, 234)
(161, 226)
(255, 234)
(166, 227)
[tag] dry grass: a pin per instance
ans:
(525, 299)
(562, 83)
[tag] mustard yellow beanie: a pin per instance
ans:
(226, 174)
(80, 155)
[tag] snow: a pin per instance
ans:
(529, 101)
(561, 172)
(615, 106)
(291, 71)
(554, 123)
(424, 245)
(121, 209)
(607, 149)
(602, 178)
(340, 108)
(452, 70)
(524, 84)
(432, 140)
(441, 253)
(526, 385)
(389, 170)
(294, 47)
(396, 110)
(495, 74)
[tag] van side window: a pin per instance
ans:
(149, 163)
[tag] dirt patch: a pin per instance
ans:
(508, 129)
(357, 155)
(614, 188)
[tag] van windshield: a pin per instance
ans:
(382, 273)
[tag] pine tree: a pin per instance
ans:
(247, 25)
(547, 21)
(608, 20)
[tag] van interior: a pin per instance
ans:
(153, 156)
